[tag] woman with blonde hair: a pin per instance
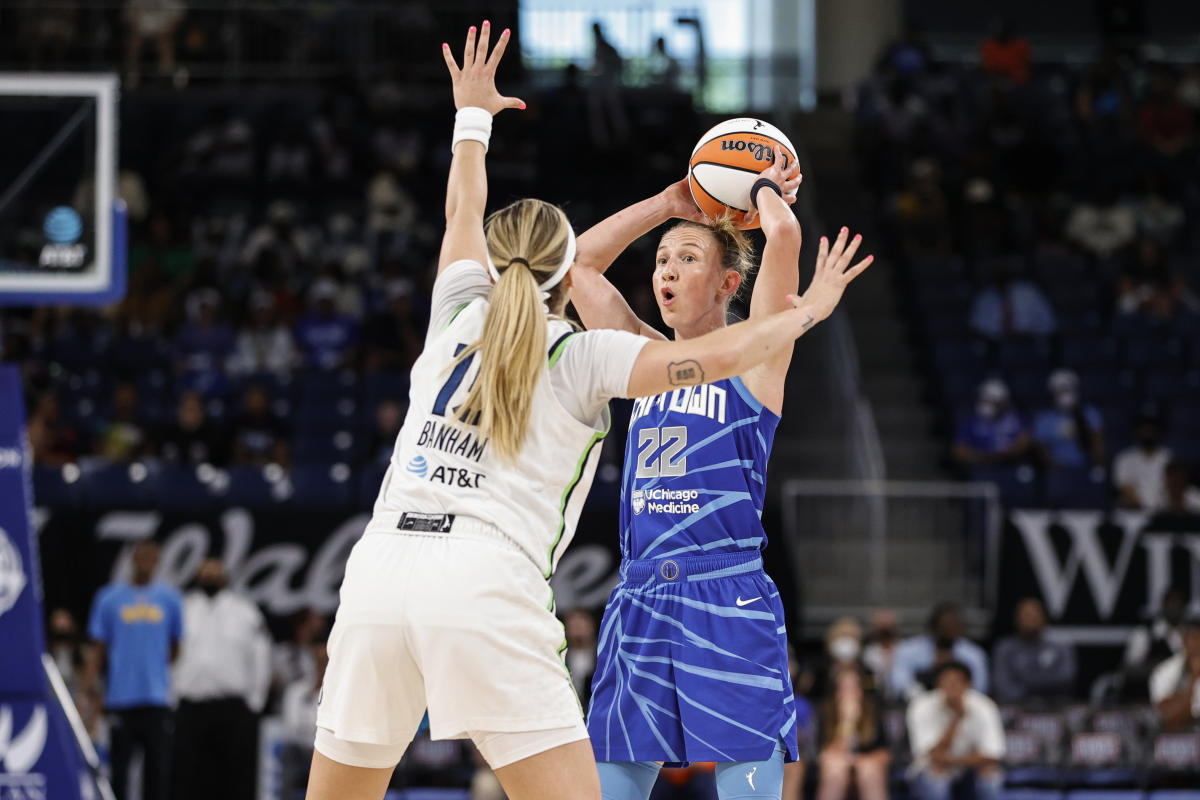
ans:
(446, 604)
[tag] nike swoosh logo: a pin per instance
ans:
(742, 602)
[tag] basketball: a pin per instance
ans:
(726, 162)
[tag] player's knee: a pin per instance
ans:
(627, 780)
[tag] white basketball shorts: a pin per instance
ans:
(459, 623)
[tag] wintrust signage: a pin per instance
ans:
(1093, 571)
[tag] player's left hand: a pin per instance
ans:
(784, 173)
(475, 83)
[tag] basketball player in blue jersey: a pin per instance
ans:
(692, 662)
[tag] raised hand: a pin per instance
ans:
(475, 83)
(833, 272)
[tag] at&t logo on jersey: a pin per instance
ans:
(418, 466)
(665, 501)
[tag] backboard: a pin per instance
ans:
(62, 228)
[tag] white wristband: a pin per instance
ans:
(472, 123)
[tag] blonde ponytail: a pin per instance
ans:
(527, 241)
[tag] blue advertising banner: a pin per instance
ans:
(40, 757)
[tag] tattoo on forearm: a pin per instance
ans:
(685, 373)
(808, 323)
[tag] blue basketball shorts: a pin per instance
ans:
(692, 664)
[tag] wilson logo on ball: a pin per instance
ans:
(726, 162)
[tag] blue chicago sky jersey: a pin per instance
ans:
(695, 472)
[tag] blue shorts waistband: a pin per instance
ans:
(690, 568)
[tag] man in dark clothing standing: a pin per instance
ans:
(1027, 665)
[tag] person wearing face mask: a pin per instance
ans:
(1153, 642)
(62, 635)
(1138, 470)
(1071, 434)
(919, 657)
(880, 651)
(994, 433)
(1028, 665)
(843, 642)
(221, 680)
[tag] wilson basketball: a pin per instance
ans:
(726, 162)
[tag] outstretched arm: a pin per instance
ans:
(466, 188)
(598, 302)
(735, 350)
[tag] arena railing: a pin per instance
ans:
(858, 545)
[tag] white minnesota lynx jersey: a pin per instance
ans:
(442, 467)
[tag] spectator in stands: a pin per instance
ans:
(1175, 683)
(919, 657)
(957, 739)
(664, 68)
(52, 441)
(155, 20)
(804, 678)
(221, 680)
(1028, 665)
(880, 653)
(994, 433)
(843, 645)
(193, 438)
(1011, 306)
(579, 625)
(1154, 642)
(265, 345)
(922, 212)
(1103, 225)
(1005, 53)
(292, 659)
(298, 713)
(327, 338)
(203, 344)
(608, 121)
(1071, 434)
(289, 243)
(1139, 470)
(393, 340)
(259, 435)
(1163, 122)
(854, 745)
(120, 435)
(1180, 497)
(136, 626)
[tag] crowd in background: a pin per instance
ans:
(1044, 220)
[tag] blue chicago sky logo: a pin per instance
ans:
(418, 466)
(63, 225)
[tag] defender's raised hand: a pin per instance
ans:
(833, 272)
(475, 83)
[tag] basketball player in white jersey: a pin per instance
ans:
(446, 603)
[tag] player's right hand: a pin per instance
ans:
(475, 83)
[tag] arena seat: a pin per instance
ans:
(1022, 793)
(324, 486)
(52, 488)
(118, 486)
(249, 486)
(1016, 485)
